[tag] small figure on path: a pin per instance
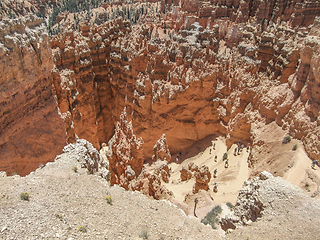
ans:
(195, 206)
(215, 187)
(215, 173)
(226, 164)
(314, 163)
(248, 147)
(177, 158)
(214, 146)
(215, 158)
(210, 151)
(235, 151)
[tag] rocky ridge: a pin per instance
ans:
(272, 207)
(70, 203)
(31, 130)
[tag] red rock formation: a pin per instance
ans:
(203, 177)
(185, 174)
(79, 74)
(150, 185)
(31, 130)
(161, 150)
(209, 76)
(126, 158)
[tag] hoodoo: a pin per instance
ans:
(180, 100)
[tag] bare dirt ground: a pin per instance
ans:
(275, 157)
(62, 201)
(229, 179)
(281, 160)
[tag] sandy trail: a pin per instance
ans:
(301, 173)
(229, 180)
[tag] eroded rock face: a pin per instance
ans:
(88, 157)
(185, 174)
(150, 181)
(126, 158)
(267, 198)
(80, 79)
(31, 130)
(207, 76)
(161, 150)
(203, 177)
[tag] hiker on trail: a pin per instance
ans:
(215, 187)
(215, 173)
(215, 158)
(195, 206)
(177, 158)
(210, 151)
(214, 146)
(235, 151)
(226, 164)
(248, 147)
(314, 163)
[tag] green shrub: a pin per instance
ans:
(109, 199)
(24, 196)
(230, 205)
(212, 217)
(82, 229)
(144, 233)
(286, 139)
(75, 169)
(225, 156)
(295, 147)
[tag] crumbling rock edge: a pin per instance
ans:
(270, 198)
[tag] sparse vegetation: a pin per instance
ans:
(59, 216)
(109, 199)
(295, 147)
(82, 229)
(230, 205)
(212, 217)
(286, 139)
(307, 185)
(144, 233)
(75, 169)
(24, 196)
(14, 173)
(225, 156)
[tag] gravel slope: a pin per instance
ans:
(61, 201)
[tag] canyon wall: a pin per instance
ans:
(31, 130)
(222, 68)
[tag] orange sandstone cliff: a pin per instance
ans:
(220, 68)
(31, 129)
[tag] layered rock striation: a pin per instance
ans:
(219, 68)
(31, 130)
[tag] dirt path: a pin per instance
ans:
(229, 180)
(301, 173)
